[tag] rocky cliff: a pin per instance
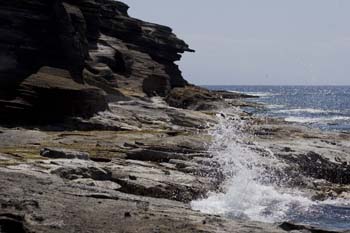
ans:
(69, 58)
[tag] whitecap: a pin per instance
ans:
(311, 120)
(304, 110)
(275, 106)
(257, 94)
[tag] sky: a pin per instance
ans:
(258, 42)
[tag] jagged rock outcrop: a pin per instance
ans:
(95, 41)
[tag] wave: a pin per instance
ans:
(275, 106)
(257, 94)
(250, 189)
(305, 110)
(247, 172)
(312, 120)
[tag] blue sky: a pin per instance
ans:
(258, 42)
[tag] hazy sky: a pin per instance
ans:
(305, 42)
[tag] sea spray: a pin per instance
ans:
(257, 184)
(251, 188)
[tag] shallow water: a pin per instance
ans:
(252, 191)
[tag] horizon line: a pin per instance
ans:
(304, 85)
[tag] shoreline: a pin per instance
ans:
(149, 174)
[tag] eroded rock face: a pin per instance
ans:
(95, 41)
(52, 94)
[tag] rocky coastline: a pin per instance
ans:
(101, 133)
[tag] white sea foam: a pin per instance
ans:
(304, 110)
(250, 188)
(311, 120)
(274, 106)
(257, 94)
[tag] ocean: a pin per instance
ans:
(324, 107)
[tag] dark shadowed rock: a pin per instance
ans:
(50, 95)
(154, 155)
(71, 30)
(96, 42)
(291, 227)
(10, 223)
(59, 153)
(192, 97)
(74, 173)
(53, 94)
(233, 95)
(314, 165)
(154, 86)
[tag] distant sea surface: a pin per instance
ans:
(324, 107)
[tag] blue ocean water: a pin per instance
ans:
(325, 107)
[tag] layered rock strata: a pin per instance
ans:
(93, 43)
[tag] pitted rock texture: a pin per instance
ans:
(94, 41)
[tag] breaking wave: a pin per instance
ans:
(257, 94)
(251, 188)
(306, 110)
(321, 120)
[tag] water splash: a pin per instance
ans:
(252, 189)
